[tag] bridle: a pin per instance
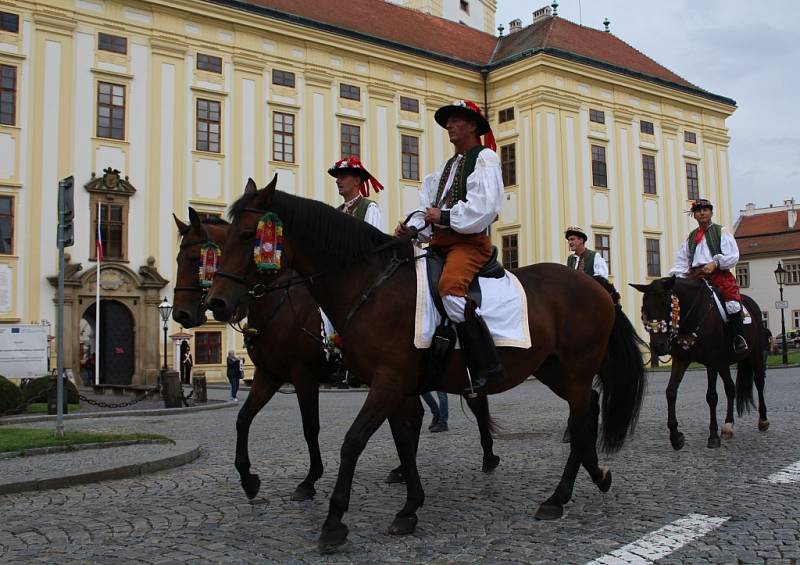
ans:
(672, 325)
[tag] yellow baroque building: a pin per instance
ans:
(156, 105)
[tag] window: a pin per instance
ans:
(743, 275)
(409, 104)
(692, 184)
(8, 95)
(508, 164)
(690, 137)
(646, 127)
(349, 92)
(282, 78)
(505, 115)
(599, 177)
(410, 157)
(351, 141)
(113, 43)
(795, 319)
(283, 137)
(653, 257)
(112, 230)
(6, 225)
(602, 244)
(465, 6)
(510, 251)
(765, 318)
(792, 272)
(110, 110)
(649, 174)
(597, 116)
(209, 63)
(9, 22)
(208, 348)
(208, 125)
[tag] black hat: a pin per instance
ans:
(464, 107)
(575, 230)
(701, 203)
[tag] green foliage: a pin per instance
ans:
(37, 388)
(17, 439)
(10, 395)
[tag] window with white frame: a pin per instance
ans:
(792, 272)
(743, 275)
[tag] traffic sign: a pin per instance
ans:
(781, 304)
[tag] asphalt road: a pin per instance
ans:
(698, 505)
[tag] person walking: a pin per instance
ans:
(439, 411)
(186, 363)
(234, 374)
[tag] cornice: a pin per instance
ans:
(247, 63)
(379, 91)
(669, 127)
(166, 47)
(50, 21)
(317, 79)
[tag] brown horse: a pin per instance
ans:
(279, 356)
(348, 266)
(681, 317)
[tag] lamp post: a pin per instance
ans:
(165, 310)
(780, 278)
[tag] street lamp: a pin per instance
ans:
(165, 310)
(780, 278)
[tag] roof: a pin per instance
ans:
(767, 233)
(430, 36)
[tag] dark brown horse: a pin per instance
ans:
(683, 321)
(348, 266)
(289, 355)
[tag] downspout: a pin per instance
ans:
(484, 76)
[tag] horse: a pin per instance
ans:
(291, 354)
(365, 281)
(681, 317)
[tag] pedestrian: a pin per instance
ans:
(186, 363)
(439, 411)
(234, 374)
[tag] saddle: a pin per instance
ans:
(434, 262)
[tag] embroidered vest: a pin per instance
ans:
(588, 261)
(713, 237)
(360, 211)
(458, 190)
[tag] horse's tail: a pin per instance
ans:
(744, 385)
(623, 383)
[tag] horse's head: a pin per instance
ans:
(198, 259)
(252, 252)
(659, 312)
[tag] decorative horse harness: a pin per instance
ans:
(672, 326)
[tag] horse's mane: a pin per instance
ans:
(315, 225)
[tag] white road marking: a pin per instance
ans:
(657, 545)
(790, 474)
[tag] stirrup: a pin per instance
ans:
(740, 344)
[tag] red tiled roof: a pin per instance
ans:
(767, 233)
(762, 224)
(780, 243)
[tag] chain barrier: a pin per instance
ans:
(100, 404)
(22, 407)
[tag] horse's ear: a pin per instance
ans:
(268, 192)
(271, 186)
(197, 224)
(182, 228)
(639, 287)
(250, 187)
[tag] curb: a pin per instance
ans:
(188, 452)
(151, 412)
(80, 446)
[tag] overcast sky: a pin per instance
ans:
(745, 50)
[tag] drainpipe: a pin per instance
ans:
(484, 76)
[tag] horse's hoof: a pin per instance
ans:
(395, 476)
(714, 442)
(331, 540)
(727, 431)
(303, 492)
(403, 525)
(251, 485)
(549, 512)
(605, 481)
(490, 463)
(763, 425)
(678, 441)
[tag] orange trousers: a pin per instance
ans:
(465, 254)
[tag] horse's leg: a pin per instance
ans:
(711, 400)
(377, 407)
(601, 476)
(260, 393)
(676, 376)
(480, 407)
(307, 389)
(760, 380)
(405, 427)
(730, 393)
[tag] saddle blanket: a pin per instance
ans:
(504, 308)
(748, 319)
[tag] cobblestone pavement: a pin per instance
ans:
(199, 513)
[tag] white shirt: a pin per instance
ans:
(702, 255)
(600, 265)
(373, 215)
(484, 195)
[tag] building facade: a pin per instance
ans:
(154, 106)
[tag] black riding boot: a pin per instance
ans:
(737, 326)
(479, 350)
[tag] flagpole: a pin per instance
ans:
(99, 253)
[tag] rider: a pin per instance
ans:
(588, 260)
(711, 252)
(461, 200)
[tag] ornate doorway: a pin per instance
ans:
(117, 342)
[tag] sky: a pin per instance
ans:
(744, 50)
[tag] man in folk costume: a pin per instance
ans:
(711, 252)
(588, 260)
(353, 181)
(461, 200)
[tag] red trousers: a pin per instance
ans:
(726, 283)
(465, 254)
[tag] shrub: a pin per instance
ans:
(10, 395)
(37, 388)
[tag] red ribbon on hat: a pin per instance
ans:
(488, 137)
(355, 163)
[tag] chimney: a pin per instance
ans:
(541, 14)
(792, 218)
(514, 25)
(750, 207)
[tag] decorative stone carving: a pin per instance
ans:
(111, 280)
(110, 183)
